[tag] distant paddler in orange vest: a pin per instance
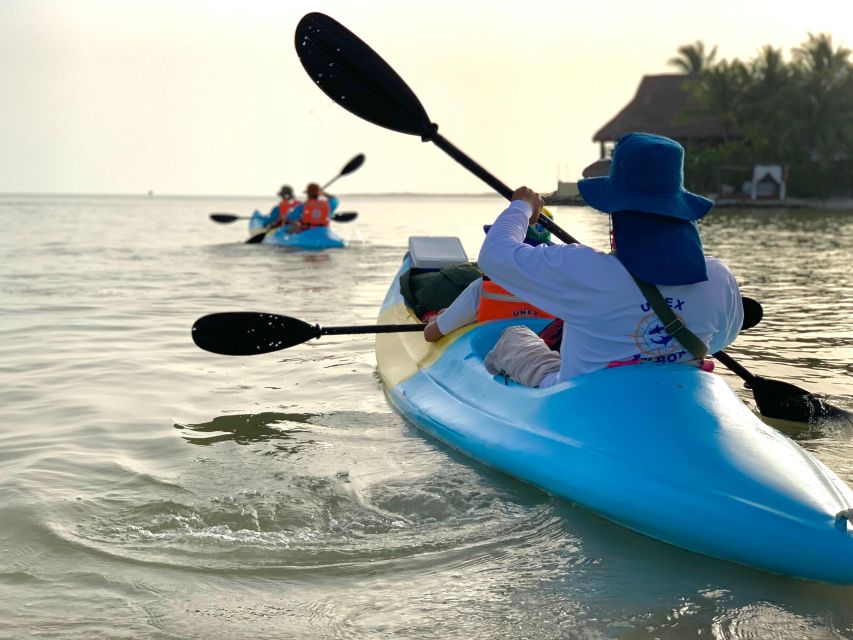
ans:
(484, 300)
(279, 213)
(316, 211)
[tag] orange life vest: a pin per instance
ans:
(315, 213)
(496, 303)
(286, 206)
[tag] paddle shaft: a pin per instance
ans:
(351, 166)
(371, 328)
(462, 158)
(331, 181)
(735, 367)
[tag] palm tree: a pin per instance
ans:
(764, 111)
(719, 92)
(799, 113)
(769, 69)
(692, 59)
(816, 56)
(822, 109)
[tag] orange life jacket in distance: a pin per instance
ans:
(315, 213)
(286, 206)
(496, 303)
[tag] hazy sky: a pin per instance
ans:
(208, 96)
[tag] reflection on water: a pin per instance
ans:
(306, 257)
(247, 428)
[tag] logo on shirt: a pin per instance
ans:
(653, 342)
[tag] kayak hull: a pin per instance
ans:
(666, 450)
(315, 238)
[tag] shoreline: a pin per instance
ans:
(829, 204)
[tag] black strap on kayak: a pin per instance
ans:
(672, 324)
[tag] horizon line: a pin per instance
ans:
(83, 194)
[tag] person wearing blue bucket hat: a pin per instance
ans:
(608, 320)
(653, 215)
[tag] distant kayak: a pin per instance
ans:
(668, 451)
(314, 238)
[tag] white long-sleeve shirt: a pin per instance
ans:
(463, 310)
(607, 319)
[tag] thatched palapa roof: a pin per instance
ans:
(656, 108)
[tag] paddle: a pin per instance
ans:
(782, 400)
(227, 218)
(352, 74)
(246, 333)
(345, 216)
(776, 399)
(358, 79)
(753, 312)
(349, 167)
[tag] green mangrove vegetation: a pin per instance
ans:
(795, 111)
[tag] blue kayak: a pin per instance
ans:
(668, 451)
(314, 238)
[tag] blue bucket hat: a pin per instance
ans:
(646, 174)
(654, 223)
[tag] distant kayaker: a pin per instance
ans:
(316, 211)
(608, 321)
(483, 299)
(279, 213)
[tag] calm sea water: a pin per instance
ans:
(149, 489)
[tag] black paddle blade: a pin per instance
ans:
(353, 164)
(357, 78)
(224, 217)
(785, 401)
(245, 333)
(753, 312)
(257, 238)
(345, 216)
